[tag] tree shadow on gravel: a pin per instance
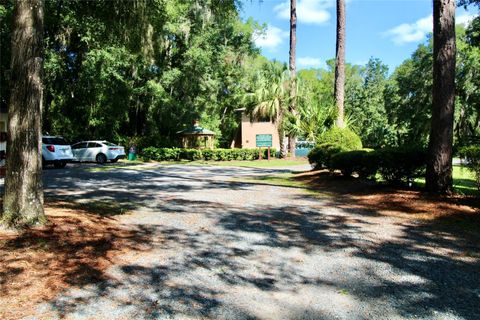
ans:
(429, 271)
(232, 261)
(438, 248)
(73, 249)
(193, 269)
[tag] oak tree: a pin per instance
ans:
(23, 199)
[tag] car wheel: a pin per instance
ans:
(101, 158)
(60, 164)
(114, 160)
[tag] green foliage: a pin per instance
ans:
(319, 157)
(177, 154)
(161, 154)
(467, 106)
(368, 106)
(344, 137)
(473, 32)
(401, 164)
(408, 97)
(117, 69)
(363, 162)
(396, 165)
(472, 155)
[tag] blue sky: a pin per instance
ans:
(385, 29)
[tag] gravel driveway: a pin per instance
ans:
(232, 250)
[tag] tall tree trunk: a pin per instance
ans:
(292, 139)
(439, 165)
(281, 134)
(23, 199)
(340, 63)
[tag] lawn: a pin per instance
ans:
(141, 165)
(463, 181)
(274, 163)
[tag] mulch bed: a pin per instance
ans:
(458, 210)
(74, 248)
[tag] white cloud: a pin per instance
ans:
(417, 31)
(412, 32)
(271, 39)
(308, 11)
(309, 62)
(465, 19)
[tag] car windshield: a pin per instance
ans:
(109, 144)
(55, 140)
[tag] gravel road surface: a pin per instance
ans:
(219, 249)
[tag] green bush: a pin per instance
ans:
(401, 164)
(161, 154)
(472, 155)
(362, 162)
(210, 155)
(319, 157)
(343, 137)
(176, 154)
(191, 154)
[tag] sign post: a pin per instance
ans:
(264, 140)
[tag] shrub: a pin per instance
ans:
(343, 137)
(401, 164)
(210, 155)
(191, 154)
(161, 154)
(362, 162)
(175, 154)
(472, 155)
(319, 157)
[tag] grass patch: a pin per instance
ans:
(137, 164)
(274, 163)
(282, 180)
(463, 181)
(122, 164)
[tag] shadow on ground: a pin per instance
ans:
(302, 257)
(73, 249)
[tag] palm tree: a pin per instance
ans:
(439, 165)
(339, 89)
(292, 136)
(271, 98)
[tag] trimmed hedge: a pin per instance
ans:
(395, 165)
(401, 164)
(362, 162)
(176, 154)
(319, 157)
(343, 137)
(472, 155)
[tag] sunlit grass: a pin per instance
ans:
(463, 181)
(121, 164)
(274, 163)
(282, 179)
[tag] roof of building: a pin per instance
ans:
(196, 130)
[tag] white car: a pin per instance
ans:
(56, 151)
(99, 151)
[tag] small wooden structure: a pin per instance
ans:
(197, 137)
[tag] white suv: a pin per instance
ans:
(56, 151)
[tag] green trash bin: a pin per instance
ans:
(132, 153)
